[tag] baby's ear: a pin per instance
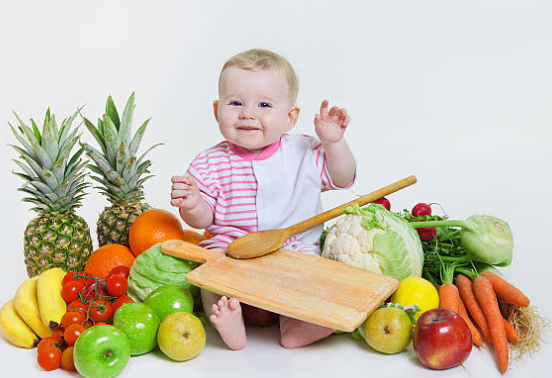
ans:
(293, 116)
(215, 108)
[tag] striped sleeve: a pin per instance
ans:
(204, 181)
(320, 162)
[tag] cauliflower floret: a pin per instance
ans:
(348, 242)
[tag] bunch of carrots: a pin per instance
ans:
(480, 298)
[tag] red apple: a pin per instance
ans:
(442, 339)
(257, 316)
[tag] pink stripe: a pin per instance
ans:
(224, 156)
(226, 169)
(198, 180)
(254, 190)
(251, 211)
(237, 182)
(236, 204)
(225, 163)
(238, 197)
(238, 175)
(229, 221)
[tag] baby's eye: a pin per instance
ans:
(235, 103)
(264, 105)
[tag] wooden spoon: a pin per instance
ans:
(261, 243)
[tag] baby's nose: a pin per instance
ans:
(248, 112)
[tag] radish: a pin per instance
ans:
(384, 202)
(426, 234)
(421, 209)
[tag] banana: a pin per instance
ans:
(14, 329)
(26, 305)
(50, 303)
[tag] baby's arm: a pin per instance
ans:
(330, 126)
(193, 209)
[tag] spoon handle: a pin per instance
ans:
(361, 201)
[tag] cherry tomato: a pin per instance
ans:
(120, 270)
(67, 361)
(72, 317)
(421, 209)
(99, 324)
(87, 324)
(77, 306)
(384, 202)
(72, 333)
(117, 285)
(46, 343)
(58, 334)
(71, 277)
(124, 299)
(101, 311)
(49, 358)
(96, 289)
(70, 290)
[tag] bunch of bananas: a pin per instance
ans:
(35, 311)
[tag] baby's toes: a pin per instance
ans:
(234, 303)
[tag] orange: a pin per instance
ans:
(152, 227)
(107, 257)
(192, 237)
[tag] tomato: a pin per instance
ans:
(117, 285)
(67, 361)
(120, 270)
(124, 299)
(101, 311)
(87, 324)
(99, 324)
(58, 334)
(72, 333)
(70, 290)
(77, 306)
(71, 277)
(46, 343)
(49, 358)
(72, 317)
(96, 289)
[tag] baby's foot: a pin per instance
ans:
(227, 319)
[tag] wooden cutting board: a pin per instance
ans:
(305, 287)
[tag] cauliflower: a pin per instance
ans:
(377, 240)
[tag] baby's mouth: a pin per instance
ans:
(248, 128)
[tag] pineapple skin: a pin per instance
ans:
(114, 223)
(62, 241)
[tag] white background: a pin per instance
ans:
(458, 93)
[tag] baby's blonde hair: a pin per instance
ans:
(261, 59)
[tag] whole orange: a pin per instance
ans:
(107, 257)
(152, 227)
(192, 237)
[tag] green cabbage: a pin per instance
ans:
(153, 269)
(377, 240)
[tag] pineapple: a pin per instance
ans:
(54, 183)
(118, 171)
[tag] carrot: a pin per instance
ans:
(465, 287)
(488, 302)
(511, 333)
(506, 291)
(476, 335)
(449, 297)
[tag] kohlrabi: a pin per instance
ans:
(486, 238)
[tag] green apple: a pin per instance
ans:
(101, 352)
(181, 336)
(168, 299)
(387, 330)
(140, 323)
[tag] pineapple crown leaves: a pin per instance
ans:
(54, 180)
(117, 168)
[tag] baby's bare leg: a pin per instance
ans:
(296, 333)
(226, 316)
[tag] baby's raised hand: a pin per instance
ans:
(331, 124)
(184, 192)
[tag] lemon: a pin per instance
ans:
(416, 290)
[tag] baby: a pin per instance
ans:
(262, 178)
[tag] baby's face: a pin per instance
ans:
(254, 109)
